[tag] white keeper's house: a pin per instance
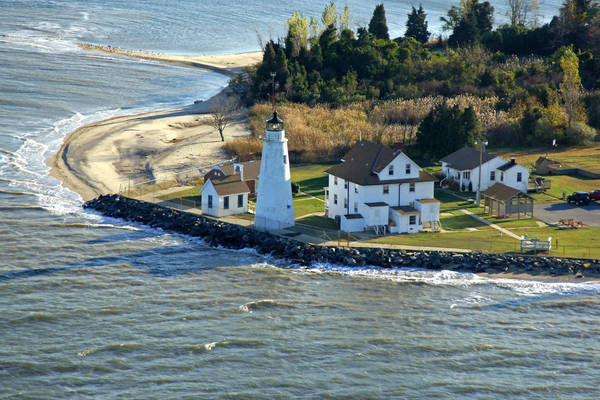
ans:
(462, 167)
(375, 187)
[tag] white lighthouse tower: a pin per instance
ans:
(274, 208)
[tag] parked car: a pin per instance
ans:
(595, 195)
(579, 198)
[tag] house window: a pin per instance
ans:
(457, 176)
(355, 188)
(519, 177)
(335, 199)
(411, 187)
(240, 200)
(226, 203)
(501, 176)
(335, 180)
(391, 170)
(237, 168)
(210, 201)
(407, 169)
(492, 175)
(284, 159)
(412, 220)
(466, 174)
(355, 207)
(346, 185)
(386, 189)
(345, 202)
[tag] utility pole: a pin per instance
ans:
(478, 196)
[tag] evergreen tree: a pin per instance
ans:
(378, 25)
(416, 25)
(445, 130)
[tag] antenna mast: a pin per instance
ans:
(273, 89)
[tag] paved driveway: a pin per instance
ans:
(550, 213)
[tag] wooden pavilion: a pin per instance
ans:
(506, 202)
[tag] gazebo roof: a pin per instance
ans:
(501, 192)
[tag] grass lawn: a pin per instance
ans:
(311, 178)
(191, 193)
(485, 239)
(319, 222)
(304, 205)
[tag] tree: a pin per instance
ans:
(297, 36)
(445, 130)
(469, 22)
(378, 24)
(570, 87)
(416, 25)
(519, 9)
(223, 110)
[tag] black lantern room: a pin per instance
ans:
(275, 124)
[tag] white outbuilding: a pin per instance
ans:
(224, 197)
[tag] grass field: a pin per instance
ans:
(312, 179)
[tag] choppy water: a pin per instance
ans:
(96, 308)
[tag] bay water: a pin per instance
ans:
(92, 307)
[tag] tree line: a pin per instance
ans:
(548, 75)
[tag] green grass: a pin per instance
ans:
(191, 193)
(485, 239)
(304, 205)
(319, 222)
(311, 178)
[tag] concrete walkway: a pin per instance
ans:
(485, 221)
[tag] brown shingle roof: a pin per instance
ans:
(466, 159)
(224, 189)
(364, 160)
(428, 201)
(501, 192)
(353, 216)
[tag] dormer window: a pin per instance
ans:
(391, 169)
(335, 180)
(407, 169)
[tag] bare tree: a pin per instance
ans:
(223, 111)
(518, 10)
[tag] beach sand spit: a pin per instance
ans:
(128, 152)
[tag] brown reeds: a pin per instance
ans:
(323, 133)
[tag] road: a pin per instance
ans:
(551, 212)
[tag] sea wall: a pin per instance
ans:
(217, 233)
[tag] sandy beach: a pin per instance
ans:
(127, 152)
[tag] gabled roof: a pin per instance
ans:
(224, 189)
(227, 186)
(466, 159)
(251, 169)
(362, 163)
(501, 192)
(509, 165)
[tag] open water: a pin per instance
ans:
(95, 308)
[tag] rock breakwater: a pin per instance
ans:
(218, 233)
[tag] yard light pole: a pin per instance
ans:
(478, 196)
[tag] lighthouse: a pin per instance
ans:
(274, 208)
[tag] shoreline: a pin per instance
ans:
(119, 153)
(160, 145)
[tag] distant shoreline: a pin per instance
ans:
(111, 155)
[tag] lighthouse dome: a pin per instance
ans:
(275, 124)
